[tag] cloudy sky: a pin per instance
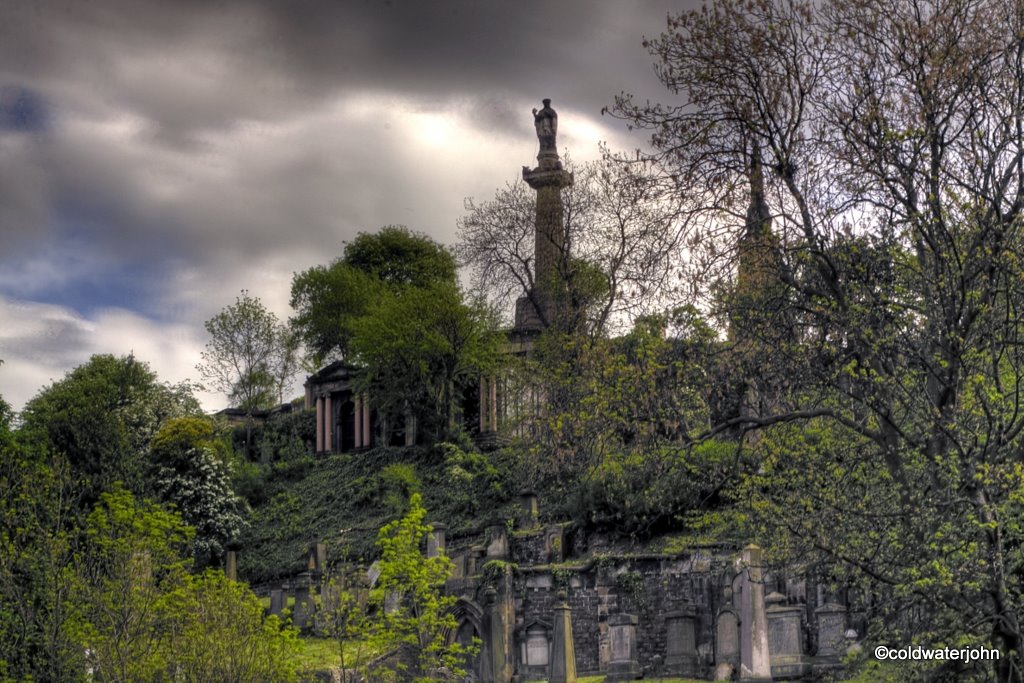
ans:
(158, 157)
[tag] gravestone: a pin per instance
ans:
(831, 633)
(303, 609)
(785, 639)
(623, 664)
(681, 642)
(276, 601)
(727, 638)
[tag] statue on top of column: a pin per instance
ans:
(546, 122)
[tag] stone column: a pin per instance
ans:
(357, 421)
(231, 565)
(319, 425)
(328, 425)
(492, 405)
(681, 642)
(367, 440)
(623, 665)
(563, 655)
(548, 179)
(785, 638)
(483, 404)
(755, 664)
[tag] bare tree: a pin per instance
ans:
(889, 136)
(622, 233)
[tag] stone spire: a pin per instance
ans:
(540, 309)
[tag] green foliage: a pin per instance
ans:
(398, 257)
(343, 501)
(36, 496)
(101, 417)
(126, 575)
(413, 614)
(250, 356)
(187, 474)
(225, 637)
(398, 481)
(342, 615)
(328, 299)
(421, 348)
(647, 493)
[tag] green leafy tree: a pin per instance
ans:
(413, 614)
(37, 509)
(187, 473)
(421, 348)
(223, 635)
(128, 571)
(879, 143)
(101, 417)
(328, 299)
(250, 355)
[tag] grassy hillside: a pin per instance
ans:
(342, 500)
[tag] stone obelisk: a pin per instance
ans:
(541, 308)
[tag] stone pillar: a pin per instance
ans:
(548, 179)
(498, 641)
(483, 404)
(492, 405)
(367, 440)
(785, 639)
(303, 608)
(623, 665)
(563, 656)
(436, 540)
(319, 425)
(276, 601)
(681, 642)
(528, 511)
(357, 421)
(231, 565)
(328, 425)
(755, 664)
(831, 633)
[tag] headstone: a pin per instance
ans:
(727, 640)
(623, 664)
(276, 601)
(831, 633)
(785, 639)
(373, 573)
(563, 656)
(436, 540)
(755, 664)
(303, 609)
(231, 565)
(473, 558)
(681, 642)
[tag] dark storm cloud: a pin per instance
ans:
(158, 156)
